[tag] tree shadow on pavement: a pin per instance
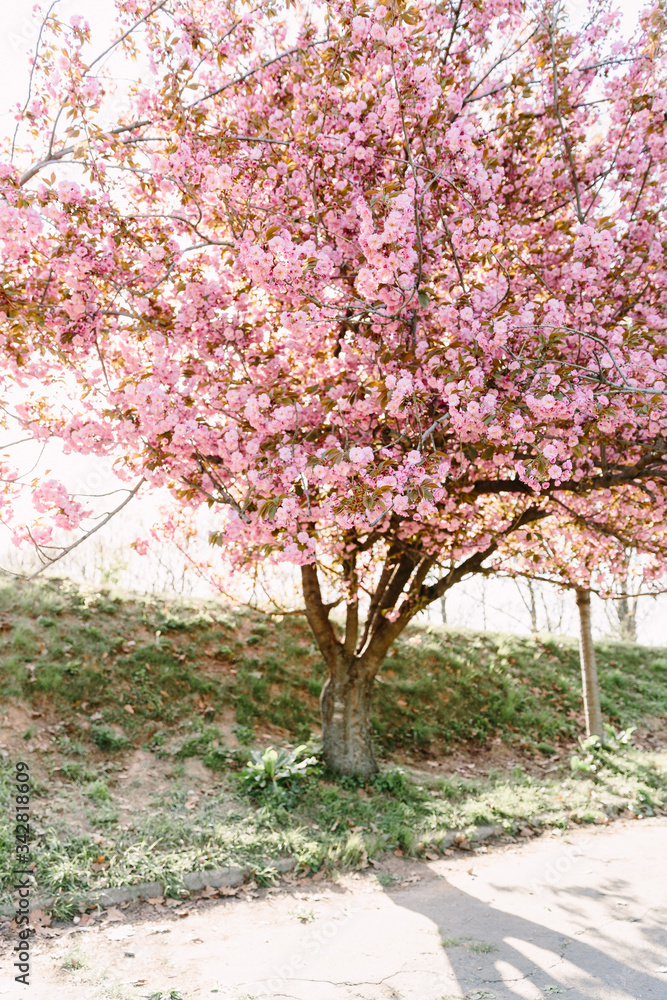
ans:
(495, 952)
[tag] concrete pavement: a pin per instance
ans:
(583, 916)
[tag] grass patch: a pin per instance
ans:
(185, 682)
(321, 822)
(145, 665)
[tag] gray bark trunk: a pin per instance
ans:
(345, 703)
(627, 619)
(589, 673)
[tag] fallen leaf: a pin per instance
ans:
(155, 900)
(113, 913)
(128, 708)
(40, 919)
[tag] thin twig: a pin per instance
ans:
(133, 492)
(32, 73)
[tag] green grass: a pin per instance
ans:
(146, 666)
(203, 682)
(321, 822)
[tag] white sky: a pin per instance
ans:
(503, 606)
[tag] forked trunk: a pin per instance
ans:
(589, 673)
(345, 704)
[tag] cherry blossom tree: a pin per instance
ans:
(382, 284)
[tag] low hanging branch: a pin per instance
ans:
(50, 560)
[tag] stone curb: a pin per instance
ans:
(216, 878)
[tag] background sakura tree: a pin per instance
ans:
(383, 284)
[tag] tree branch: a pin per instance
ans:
(318, 615)
(133, 492)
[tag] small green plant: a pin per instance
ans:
(481, 947)
(397, 784)
(386, 880)
(98, 791)
(219, 758)
(303, 916)
(268, 769)
(68, 745)
(596, 753)
(169, 995)
(105, 738)
(157, 745)
(72, 770)
(353, 852)
(75, 959)
(449, 942)
(264, 875)
(244, 734)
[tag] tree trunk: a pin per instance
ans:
(533, 608)
(589, 673)
(345, 703)
(443, 609)
(627, 619)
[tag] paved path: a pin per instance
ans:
(583, 916)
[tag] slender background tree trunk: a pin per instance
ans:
(626, 610)
(589, 673)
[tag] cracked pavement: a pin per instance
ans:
(582, 915)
